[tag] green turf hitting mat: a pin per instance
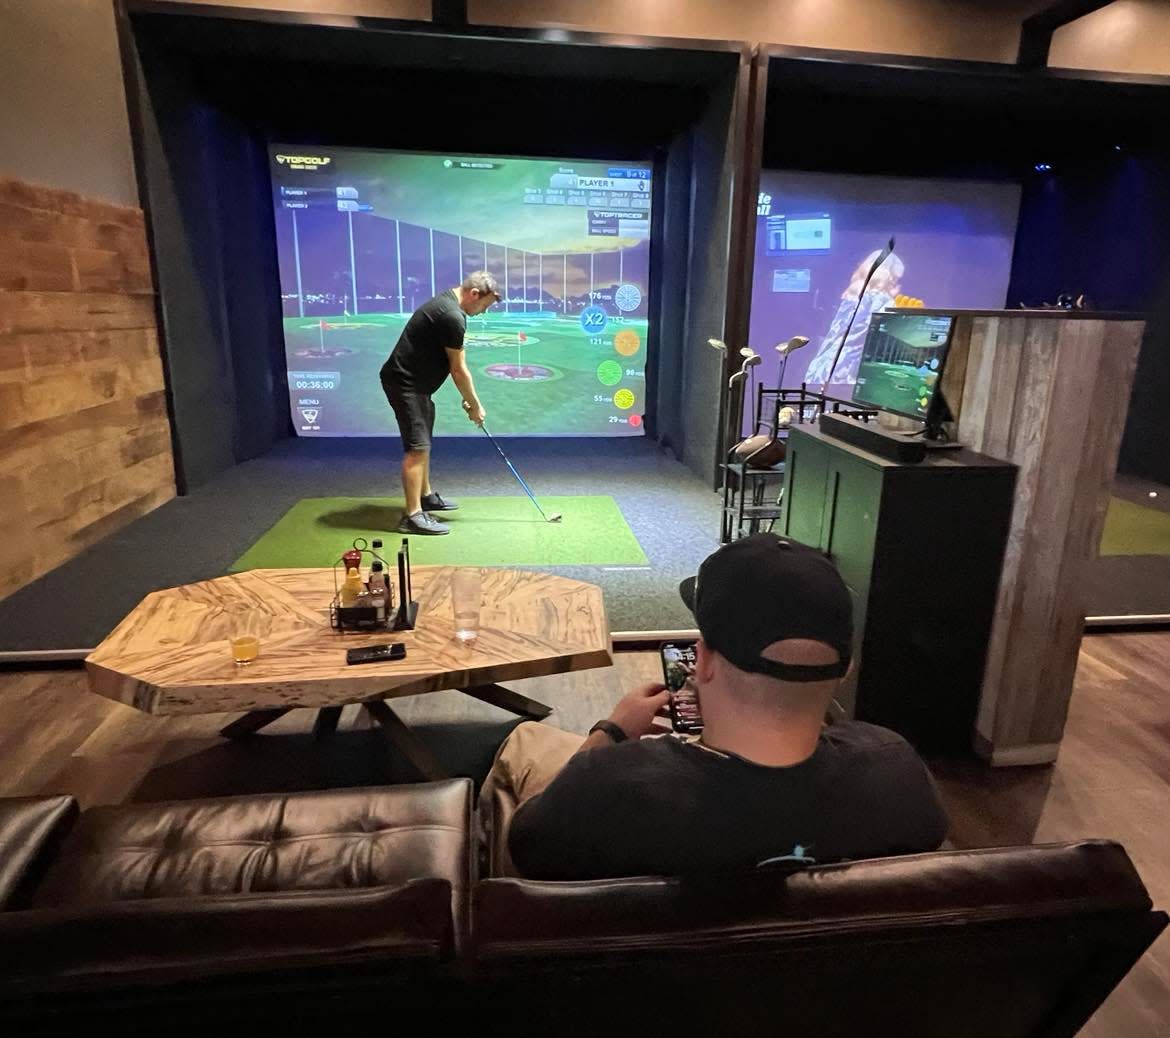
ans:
(485, 531)
(1135, 530)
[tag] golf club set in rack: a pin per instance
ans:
(748, 463)
(751, 465)
(759, 450)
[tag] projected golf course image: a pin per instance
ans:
(536, 373)
(366, 237)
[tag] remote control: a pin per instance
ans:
(376, 653)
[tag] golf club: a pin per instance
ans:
(784, 349)
(750, 360)
(556, 516)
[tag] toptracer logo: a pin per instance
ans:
(306, 162)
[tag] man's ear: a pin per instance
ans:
(704, 662)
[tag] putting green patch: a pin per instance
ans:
(485, 531)
(1135, 530)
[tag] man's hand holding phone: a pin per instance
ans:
(639, 708)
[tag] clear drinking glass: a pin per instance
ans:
(466, 595)
(244, 636)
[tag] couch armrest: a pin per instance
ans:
(31, 831)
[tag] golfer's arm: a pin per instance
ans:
(461, 376)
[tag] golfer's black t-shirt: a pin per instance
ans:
(419, 362)
(664, 806)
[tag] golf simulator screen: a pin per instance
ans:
(901, 362)
(365, 237)
(817, 234)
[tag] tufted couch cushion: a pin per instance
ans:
(335, 840)
(334, 882)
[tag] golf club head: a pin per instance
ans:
(556, 517)
(793, 344)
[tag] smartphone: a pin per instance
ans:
(678, 668)
(376, 653)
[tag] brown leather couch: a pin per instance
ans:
(312, 910)
(239, 909)
(31, 831)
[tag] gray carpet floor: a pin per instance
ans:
(674, 515)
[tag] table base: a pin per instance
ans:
(397, 732)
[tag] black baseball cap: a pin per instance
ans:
(762, 589)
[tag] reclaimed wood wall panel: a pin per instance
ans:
(1050, 394)
(85, 441)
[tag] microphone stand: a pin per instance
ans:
(885, 254)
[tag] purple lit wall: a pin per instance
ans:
(817, 234)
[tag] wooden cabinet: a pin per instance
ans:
(920, 548)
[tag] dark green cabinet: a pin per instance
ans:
(921, 548)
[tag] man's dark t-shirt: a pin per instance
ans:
(668, 807)
(419, 362)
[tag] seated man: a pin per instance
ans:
(766, 780)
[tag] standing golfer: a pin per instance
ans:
(429, 349)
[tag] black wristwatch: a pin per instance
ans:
(614, 731)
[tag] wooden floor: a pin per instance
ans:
(1112, 779)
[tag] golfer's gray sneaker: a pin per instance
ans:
(435, 502)
(420, 522)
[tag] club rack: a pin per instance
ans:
(753, 492)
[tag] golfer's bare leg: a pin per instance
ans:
(414, 474)
(426, 479)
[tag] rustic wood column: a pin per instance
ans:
(1048, 391)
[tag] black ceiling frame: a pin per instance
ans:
(961, 69)
(448, 27)
(450, 14)
(1036, 31)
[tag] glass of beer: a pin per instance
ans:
(244, 636)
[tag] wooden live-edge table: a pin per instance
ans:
(171, 654)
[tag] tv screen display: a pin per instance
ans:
(901, 362)
(817, 234)
(364, 237)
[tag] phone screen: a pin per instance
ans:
(678, 668)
